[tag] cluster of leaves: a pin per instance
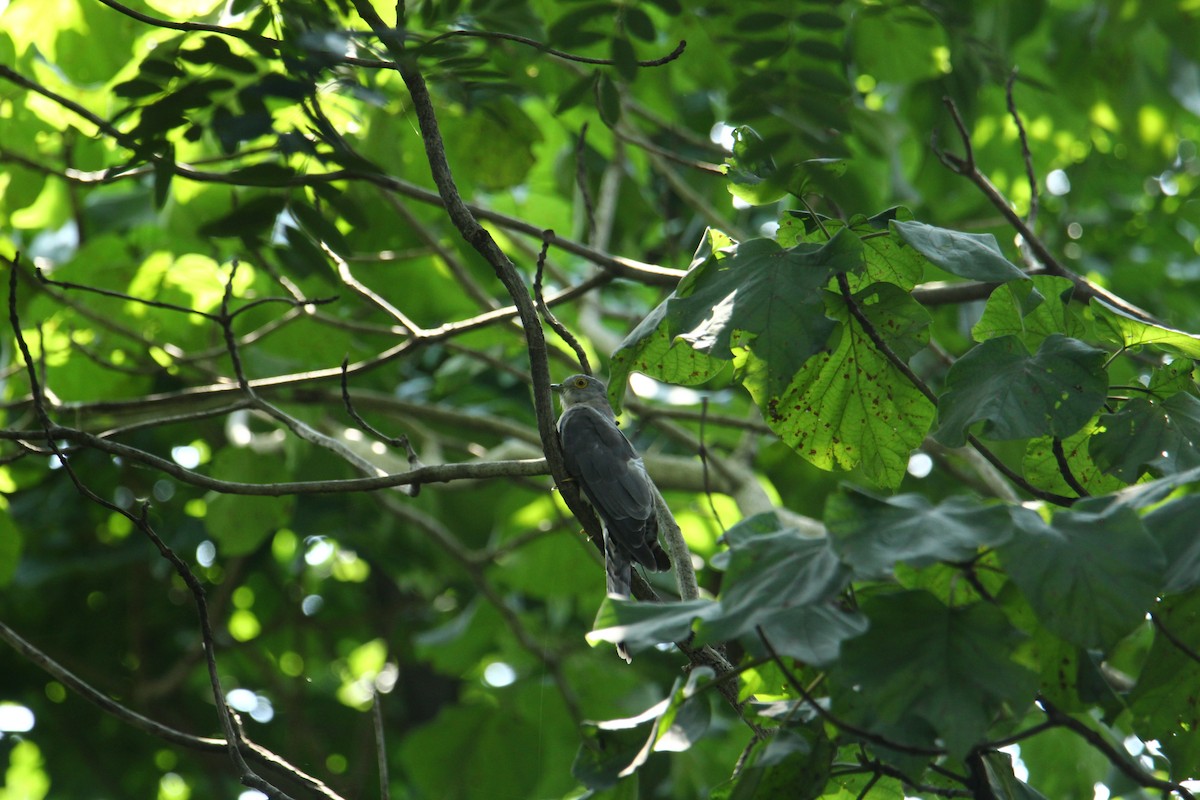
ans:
(937, 620)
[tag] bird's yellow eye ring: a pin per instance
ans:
(581, 383)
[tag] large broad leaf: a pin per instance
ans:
(775, 577)
(792, 763)
(851, 406)
(754, 295)
(923, 666)
(1030, 310)
(1090, 576)
(1165, 704)
(1163, 437)
(1131, 332)
(1018, 395)
(968, 255)
(240, 523)
(1173, 525)
(872, 534)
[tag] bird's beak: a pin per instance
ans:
(556, 388)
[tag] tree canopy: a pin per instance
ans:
(900, 302)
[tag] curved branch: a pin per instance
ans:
(541, 47)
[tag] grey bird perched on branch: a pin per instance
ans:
(613, 478)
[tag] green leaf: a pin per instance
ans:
(639, 24)
(164, 171)
(608, 100)
(792, 764)
(751, 169)
(1019, 396)
(624, 57)
(810, 634)
(925, 667)
(1173, 525)
(1004, 785)
(1089, 576)
(871, 534)
(495, 144)
(887, 259)
(968, 255)
(1130, 332)
(1165, 704)
(851, 406)
(616, 748)
(643, 625)
(1163, 437)
(1030, 310)
(753, 295)
(1041, 466)
(240, 523)
(772, 571)
(215, 50)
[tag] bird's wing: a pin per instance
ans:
(607, 467)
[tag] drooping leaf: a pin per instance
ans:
(1163, 437)
(1018, 395)
(851, 406)
(959, 670)
(871, 534)
(968, 255)
(1089, 576)
(1131, 332)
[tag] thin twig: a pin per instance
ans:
(1026, 155)
(703, 452)
(967, 167)
(550, 51)
(548, 315)
(1064, 468)
(385, 791)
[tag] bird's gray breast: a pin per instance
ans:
(607, 467)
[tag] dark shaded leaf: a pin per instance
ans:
(871, 534)
(958, 670)
(1162, 437)
(1089, 576)
(1019, 396)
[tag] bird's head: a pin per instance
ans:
(582, 390)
